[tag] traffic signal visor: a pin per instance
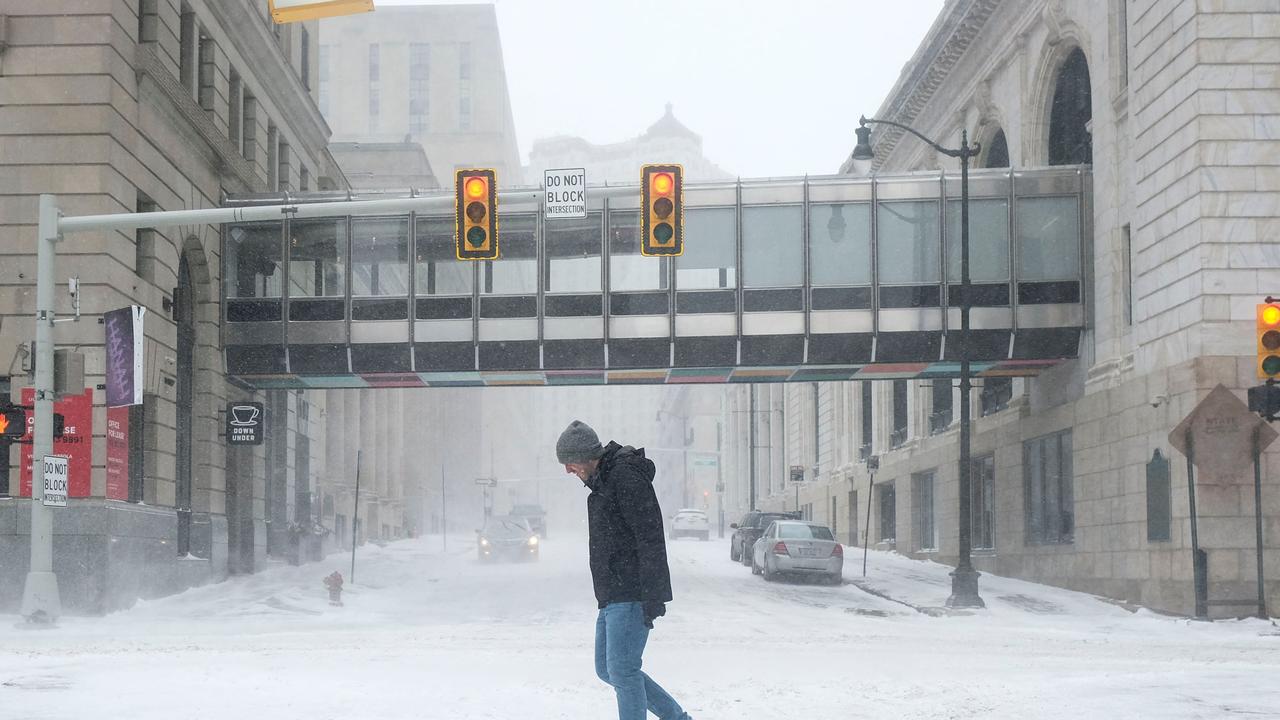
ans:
(1268, 332)
(476, 233)
(662, 215)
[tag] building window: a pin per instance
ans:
(305, 67)
(235, 109)
(1070, 142)
(148, 20)
(941, 417)
(187, 48)
(324, 90)
(1126, 246)
(996, 394)
(864, 451)
(284, 173)
(922, 495)
(1159, 499)
(1050, 500)
(144, 241)
(817, 433)
(250, 134)
(273, 157)
(207, 71)
(888, 504)
(464, 113)
(833, 519)
(375, 89)
(419, 88)
(304, 179)
(997, 151)
(982, 504)
(899, 436)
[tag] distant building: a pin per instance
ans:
(385, 166)
(432, 75)
(667, 140)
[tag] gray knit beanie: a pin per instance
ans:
(578, 443)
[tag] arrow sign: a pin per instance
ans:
(1221, 430)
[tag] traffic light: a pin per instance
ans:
(1268, 332)
(13, 422)
(661, 210)
(476, 230)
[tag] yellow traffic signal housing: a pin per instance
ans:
(661, 210)
(1268, 333)
(476, 206)
(288, 11)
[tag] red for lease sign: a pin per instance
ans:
(76, 442)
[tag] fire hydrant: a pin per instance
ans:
(334, 585)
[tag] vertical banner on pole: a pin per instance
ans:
(118, 453)
(124, 350)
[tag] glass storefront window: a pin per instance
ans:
(440, 272)
(380, 256)
(253, 262)
(709, 260)
(629, 271)
(1048, 239)
(515, 272)
(318, 258)
(573, 254)
(773, 246)
(988, 241)
(908, 243)
(840, 244)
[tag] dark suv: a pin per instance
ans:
(749, 529)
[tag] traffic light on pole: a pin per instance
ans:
(13, 422)
(476, 230)
(661, 210)
(1268, 332)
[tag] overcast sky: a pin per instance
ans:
(774, 87)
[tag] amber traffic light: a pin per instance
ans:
(476, 230)
(1268, 332)
(661, 210)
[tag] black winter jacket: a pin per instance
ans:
(628, 548)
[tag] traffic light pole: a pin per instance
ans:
(41, 602)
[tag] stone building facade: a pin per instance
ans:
(1176, 106)
(119, 106)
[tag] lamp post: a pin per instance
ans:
(964, 579)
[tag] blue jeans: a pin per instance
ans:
(620, 640)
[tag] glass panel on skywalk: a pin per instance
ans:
(629, 271)
(318, 258)
(1048, 239)
(709, 260)
(440, 272)
(253, 261)
(772, 246)
(988, 240)
(380, 256)
(516, 271)
(840, 244)
(908, 243)
(573, 249)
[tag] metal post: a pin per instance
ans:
(355, 519)
(751, 422)
(41, 602)
(1199, 559)
(1257, 519)
(444, 513)
(866, 527)
(964, 579)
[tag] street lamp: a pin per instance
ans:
(964, 580)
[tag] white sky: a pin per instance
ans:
(774, 87)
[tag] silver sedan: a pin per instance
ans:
(795, 547)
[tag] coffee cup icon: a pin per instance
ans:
(244, 415)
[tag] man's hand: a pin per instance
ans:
(652, 611)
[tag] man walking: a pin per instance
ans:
(628, 564)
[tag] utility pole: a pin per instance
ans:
(41, 602)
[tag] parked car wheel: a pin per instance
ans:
(755, 569)
(733, 553)
(836, 579)
(769, 575)
(748, 556)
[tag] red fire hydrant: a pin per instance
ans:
(334, 585)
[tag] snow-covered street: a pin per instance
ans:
(432, 635)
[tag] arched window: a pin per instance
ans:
(1069, 140)
(997, 151)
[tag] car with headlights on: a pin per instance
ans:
(504, 537)
(796, 547)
